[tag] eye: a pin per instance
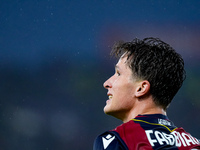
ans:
(118, 73)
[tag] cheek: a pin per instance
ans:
(127, 90)
(126, 96)
(126, 101)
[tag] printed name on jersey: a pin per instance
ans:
(174, 138)
(107, 140)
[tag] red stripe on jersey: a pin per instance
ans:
(134, 136)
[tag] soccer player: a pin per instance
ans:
(147, 76)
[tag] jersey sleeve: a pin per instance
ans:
(109, 140)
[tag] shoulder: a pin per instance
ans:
(133, 134)
(109, 140)
(129, 129)
(129, 135)
(116, 139)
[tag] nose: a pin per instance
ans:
(107, 84)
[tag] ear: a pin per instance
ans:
(142, 88)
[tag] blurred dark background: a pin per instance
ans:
(54, 58)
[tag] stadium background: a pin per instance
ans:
(54, 58)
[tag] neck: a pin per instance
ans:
(142, 108)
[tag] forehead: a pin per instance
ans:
(122, 62)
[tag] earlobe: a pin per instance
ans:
(143, 88)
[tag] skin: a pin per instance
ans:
(128, 96)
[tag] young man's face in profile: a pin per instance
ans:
(121, 87)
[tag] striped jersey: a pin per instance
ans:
(147, 132)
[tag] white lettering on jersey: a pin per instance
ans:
(107, 140)
(179, 139)
(188, 139)
(152, 141)
(160, 137)
(170, 138)
(174, 138)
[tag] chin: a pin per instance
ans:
(107, 110)
(111, 112)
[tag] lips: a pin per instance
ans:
(110, 96)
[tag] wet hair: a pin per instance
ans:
(157, 62)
